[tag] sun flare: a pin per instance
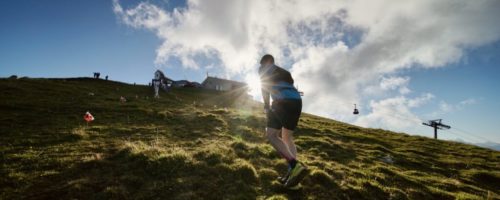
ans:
(253, 82)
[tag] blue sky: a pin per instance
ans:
(76, 38)
(476, 76)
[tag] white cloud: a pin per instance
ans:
(445, 108)
(388, 84)
(419, 101)
(394, 113)
(469, 101)
(337, 50)
(392, 83)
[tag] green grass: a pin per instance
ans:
(197, 144)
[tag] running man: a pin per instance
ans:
(282, 116)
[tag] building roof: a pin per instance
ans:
(210, 78)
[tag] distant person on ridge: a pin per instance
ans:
(282, 116)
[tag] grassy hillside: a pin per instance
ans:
(196, 144)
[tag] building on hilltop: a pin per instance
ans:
(161, 81)
(219, 84)
(180, 83)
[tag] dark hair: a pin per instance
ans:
(266, 58)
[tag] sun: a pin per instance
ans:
(253, 82)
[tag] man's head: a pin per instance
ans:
(267, 59)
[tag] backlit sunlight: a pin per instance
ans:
(253, 82)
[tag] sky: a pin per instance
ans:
(401, 62)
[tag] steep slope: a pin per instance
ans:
(197, 144)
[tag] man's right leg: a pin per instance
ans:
(272, 135)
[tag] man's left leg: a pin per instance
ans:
(278, 144)
(297, 169)
(287, 137)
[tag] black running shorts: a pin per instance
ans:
(284, 113)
